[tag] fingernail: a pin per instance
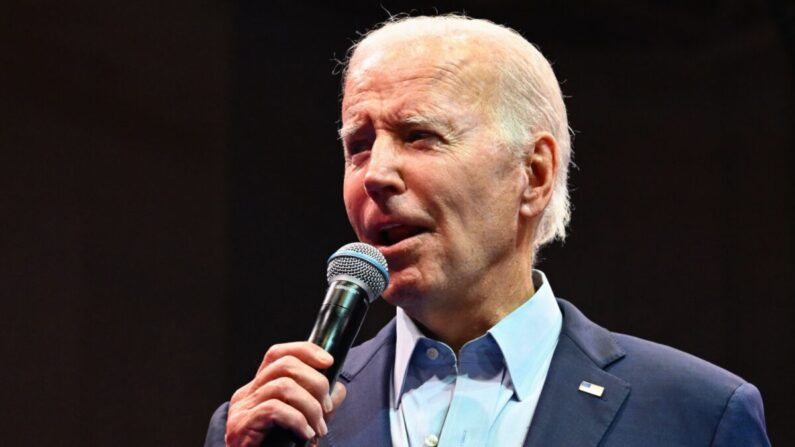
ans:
(322, 429)
(309, 432)
(324, 356)
(328, 405)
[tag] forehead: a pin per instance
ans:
(419, 71)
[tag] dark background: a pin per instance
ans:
(170, 187)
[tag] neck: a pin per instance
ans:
(470, 313)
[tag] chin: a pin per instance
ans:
(407, 289)
(401, 290)
(398, 296)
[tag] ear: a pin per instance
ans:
(541, 163)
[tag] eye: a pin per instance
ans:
(359, 140)
(417, 135)
(357, 146)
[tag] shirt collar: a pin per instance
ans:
(526, 337)
(407, 336)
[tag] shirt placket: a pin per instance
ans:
(472, 409)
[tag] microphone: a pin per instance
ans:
(357, 275)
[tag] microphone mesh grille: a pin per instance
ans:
(364, 270)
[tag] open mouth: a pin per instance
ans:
(393, 234)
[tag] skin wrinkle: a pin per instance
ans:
(472, 268)
(469, 63)
(526, 97)
(465, 64)
(428, 113)
(414, 118)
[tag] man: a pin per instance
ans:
(456, 152)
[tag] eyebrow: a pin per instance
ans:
(350, 129)
(432, 122)
(414, 119)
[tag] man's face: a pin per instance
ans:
(426, 180)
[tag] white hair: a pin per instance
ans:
(528, 100)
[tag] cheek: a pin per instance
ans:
(349, 198)
(352, 197)
(487, 204)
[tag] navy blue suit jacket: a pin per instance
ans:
(653, 396)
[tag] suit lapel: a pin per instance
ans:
(363, 418)
(565, 415)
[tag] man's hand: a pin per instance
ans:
(287, 391)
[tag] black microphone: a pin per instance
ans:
(357, 275)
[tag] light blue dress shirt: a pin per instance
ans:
(488, 394)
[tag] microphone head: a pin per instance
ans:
(363, 263)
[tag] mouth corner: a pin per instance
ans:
(394, 234)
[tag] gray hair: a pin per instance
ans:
(529, 97)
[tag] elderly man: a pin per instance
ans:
(456, 155)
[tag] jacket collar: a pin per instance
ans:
(565, 415)
(363, 418)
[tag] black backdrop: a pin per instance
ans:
(170, 191)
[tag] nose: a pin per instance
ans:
(384, 176)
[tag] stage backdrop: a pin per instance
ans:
(171, 189)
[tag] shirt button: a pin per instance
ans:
(432, 354)
(431, 440)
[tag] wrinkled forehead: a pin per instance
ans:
(453, 65)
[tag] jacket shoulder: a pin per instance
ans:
(680, 398)
(674, 397)
(671, 367)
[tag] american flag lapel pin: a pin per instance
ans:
(592, 389)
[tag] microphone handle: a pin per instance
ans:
(336, 327)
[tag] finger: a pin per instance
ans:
(288, 391)
(309, 353)
(306, 376)
(337, 396)
(241, 393)
(274, 413)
